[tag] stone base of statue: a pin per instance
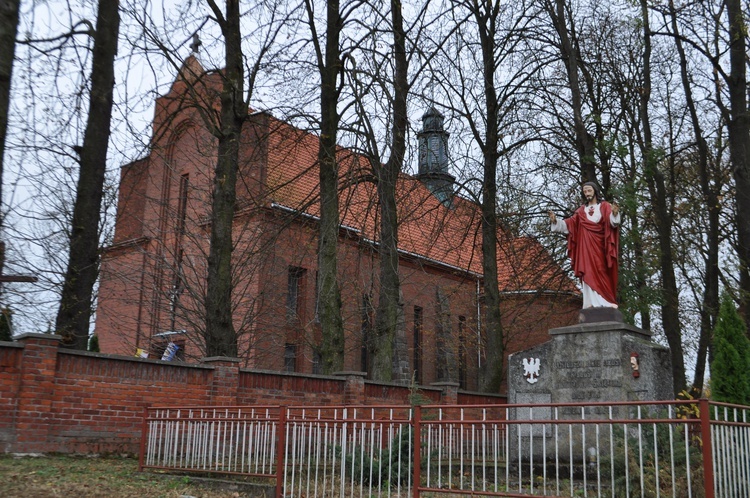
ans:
(602, 359)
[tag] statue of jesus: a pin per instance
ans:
(593, 240)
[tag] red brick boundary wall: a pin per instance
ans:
(56, 400)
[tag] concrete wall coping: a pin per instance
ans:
(445, 383)
(350, 373)
(600, 327)
(478, 393)
(406, 386)
(117, 357)
(214, 359)
(8, 344)
(36, 335)
(280, 373)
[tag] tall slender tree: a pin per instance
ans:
(709, 307)
(585, 143)
(663, 218)
(739, 138)
(388, 358)
(8, 30)
(330, 67)
(495, 29)
(221, 339)
(486, 19)
(74, 313)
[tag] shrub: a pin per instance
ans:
(730, 368)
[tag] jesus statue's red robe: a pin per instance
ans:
(592, 248)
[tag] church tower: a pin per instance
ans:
(433, 157)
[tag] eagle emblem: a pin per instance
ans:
(531, 370)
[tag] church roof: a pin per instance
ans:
(444, 234)
(448, 235)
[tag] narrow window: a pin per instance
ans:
(182, 200)
(366, 314)
(317, 298)
(290, 357)
(176, 290)
(317, 362)
(418, 322)
(294, 299)
(462, 352)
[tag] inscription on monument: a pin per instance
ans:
(590, 374)
(608, 362)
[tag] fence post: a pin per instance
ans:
(36, 393)
(225, 379)
(144, 432)
(448, 392)
(417, 420)
(708, 465)
(280, 452)
(354, 387)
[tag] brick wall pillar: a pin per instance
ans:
(354, 388)
(449, 392)
(226, 379)
(36, 392)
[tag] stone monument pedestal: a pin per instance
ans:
(602, 359)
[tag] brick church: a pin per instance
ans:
(153, 275)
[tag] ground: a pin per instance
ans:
(84, 477)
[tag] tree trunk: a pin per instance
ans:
(332, 349)
(584, 142)
(390, 357)
(221, 339)
(494, 346)
(8, 30)
(710, 305)
(73, 316)
(739, 140)
(662, 221)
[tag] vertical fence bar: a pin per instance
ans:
(708, 468)
(280, 448)
(417, 422)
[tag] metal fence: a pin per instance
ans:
(660, 449)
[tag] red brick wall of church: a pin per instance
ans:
(138, 271)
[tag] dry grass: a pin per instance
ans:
(83, 477)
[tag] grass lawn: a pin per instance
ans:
(79, 477)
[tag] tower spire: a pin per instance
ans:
(433, 156)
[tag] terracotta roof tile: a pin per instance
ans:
(450, 235)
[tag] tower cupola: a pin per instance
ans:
(433, 156)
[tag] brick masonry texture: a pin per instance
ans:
(55, 400)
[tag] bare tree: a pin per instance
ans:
(661, 201)
(330, 66)
(8, 29)
(387, 357)
(585, 143)
(494, 29)
(73, 317)
(739, 138)
(710, 190)
(221, 339)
